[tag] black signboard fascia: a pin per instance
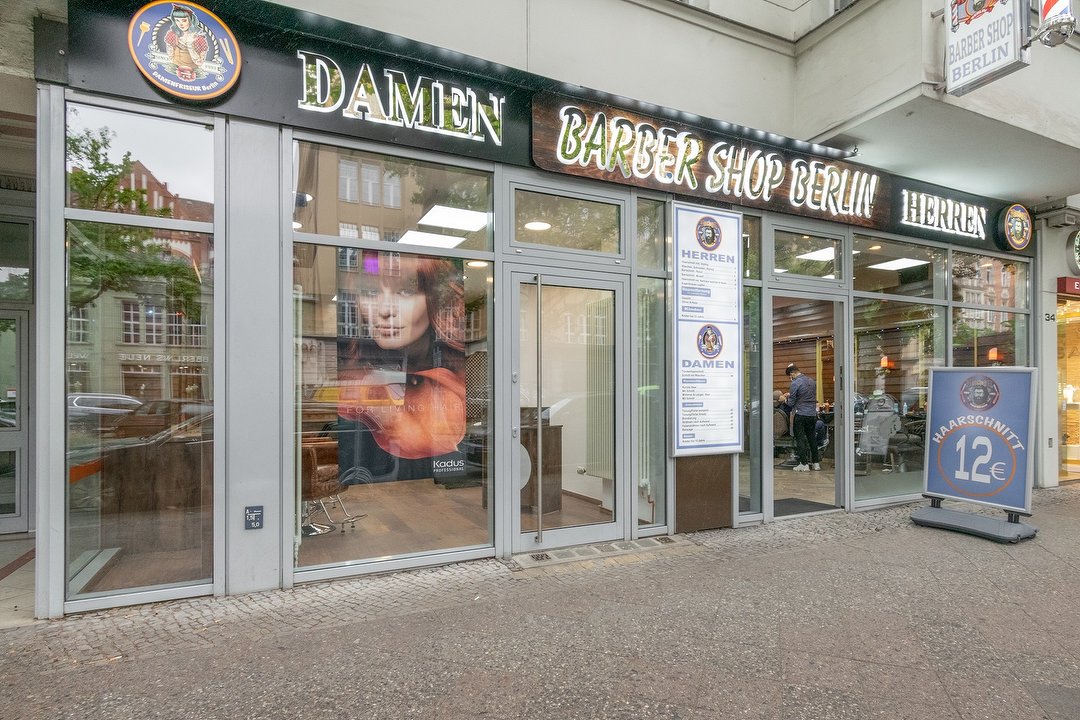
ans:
(270, 87)
(271, 79)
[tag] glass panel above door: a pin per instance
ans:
(369, 196)
(807, 255)
(898, 268)
(566, 222)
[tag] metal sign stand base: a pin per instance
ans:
(1010, 531)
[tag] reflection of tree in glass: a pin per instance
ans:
(16, 287)
(118, 258)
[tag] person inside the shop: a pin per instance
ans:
(401, 398)
(782, 428)
(801, 401)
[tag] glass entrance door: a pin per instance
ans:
(567, 414)
(14, 482)
(807, 392)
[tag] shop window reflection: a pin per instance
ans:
(896, 343)
(351, 193)
(140, 416)
(393, 404)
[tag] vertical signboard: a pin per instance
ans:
(984, 40)
(977, 436)
(708, 394)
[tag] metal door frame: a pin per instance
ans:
(507, 478)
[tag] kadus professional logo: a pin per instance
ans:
(184, 50)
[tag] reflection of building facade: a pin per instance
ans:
(149, 346)
(562, 247)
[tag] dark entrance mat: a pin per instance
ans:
(797, 506)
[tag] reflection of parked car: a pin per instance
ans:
(158, 415)
(93, 412)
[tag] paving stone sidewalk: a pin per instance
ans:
(831, 616)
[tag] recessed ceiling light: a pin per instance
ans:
(477, 263)
(818, 255)
(899, 264)
(296, 225)
(416, 237)
(454, 218)
(874, 247)
(537, 225)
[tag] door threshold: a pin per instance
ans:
(579, 553)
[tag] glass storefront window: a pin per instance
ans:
(652, 401)
(140, 421)
(393, 403)
(1068, 387)
(566, 222)
(990, 281)
(898, 268)
(751, 235)
(807, 255)
(651, 234)
(15, 242)
(126, 163)
(355, 194)
(758, 411)
(985, 337)
(896, 343)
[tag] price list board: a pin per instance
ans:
(708, 347)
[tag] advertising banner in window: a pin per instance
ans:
(708, 331)
(978, 431)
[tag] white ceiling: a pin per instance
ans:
(940, 143)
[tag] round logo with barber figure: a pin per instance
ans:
(1016, 227)
(709, 341)
(708, 233)
(979, 393)
(184, 50)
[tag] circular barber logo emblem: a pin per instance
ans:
(709, 341)
(1016, 227)
(708, 233)
(979, 393)
(1072, 256)
(184, 50)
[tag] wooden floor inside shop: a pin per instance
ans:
(414, 516)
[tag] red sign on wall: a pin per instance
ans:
(1069, 285)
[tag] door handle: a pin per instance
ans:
(514, 432)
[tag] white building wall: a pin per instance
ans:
(655, 51)
(850, 66)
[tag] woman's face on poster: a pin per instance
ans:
(395, 307)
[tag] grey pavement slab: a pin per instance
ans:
(836, 616)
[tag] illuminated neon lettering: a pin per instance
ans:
(323, 83)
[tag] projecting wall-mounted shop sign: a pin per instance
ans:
(577, 137)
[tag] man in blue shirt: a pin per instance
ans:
(802, 401)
